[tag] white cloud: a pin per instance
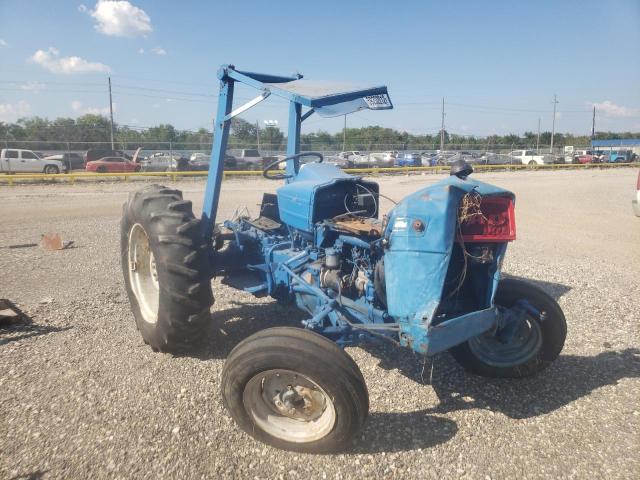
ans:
(32, 86)
(141, 51)
(159, 51)
(12, 111)
(50, 60)
(119, 18)
(610, 109)
(80, 109)
(83, 8)
(3, 43)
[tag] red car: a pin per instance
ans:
(112, 165)
(589, 158)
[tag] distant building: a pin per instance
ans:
(632, 144)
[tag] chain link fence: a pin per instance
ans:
(48, 147)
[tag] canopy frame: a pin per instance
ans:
(375, 98)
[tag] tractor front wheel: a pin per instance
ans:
(295, 390)
(164, 262)
(537, 342)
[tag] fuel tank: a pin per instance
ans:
(421, 231)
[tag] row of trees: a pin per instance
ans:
(88, 130)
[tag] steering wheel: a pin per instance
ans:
(282, 176)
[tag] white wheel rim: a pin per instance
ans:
(289, 406)
(143, 274)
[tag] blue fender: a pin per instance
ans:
(421, 232)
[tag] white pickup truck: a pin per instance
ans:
(16, 160)
(529, 157)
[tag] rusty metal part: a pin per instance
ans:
(418, 226)
(53, 241)
(357, 225)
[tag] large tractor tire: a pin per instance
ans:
(295, 390)
(537, 343)
(165, 267)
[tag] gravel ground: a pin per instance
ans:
(83, 397)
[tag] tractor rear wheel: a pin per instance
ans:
(295, 390)
(165, 266)
(537, 343)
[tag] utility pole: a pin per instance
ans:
(553, 127)
(344, 135)
(593, 124)
(538, 139)
(258, 133)
(111, 111)
(442, 128)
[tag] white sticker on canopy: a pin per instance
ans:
(377, 102)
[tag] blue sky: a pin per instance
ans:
(497, 63)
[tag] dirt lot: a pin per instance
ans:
(83, 397)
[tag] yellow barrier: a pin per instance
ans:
(10, 179)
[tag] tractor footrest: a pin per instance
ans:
(264, 223)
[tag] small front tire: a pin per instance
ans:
(51, 170)
(295, 390)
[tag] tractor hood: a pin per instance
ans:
(421, 232)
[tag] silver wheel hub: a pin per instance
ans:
(143, 274)
(289, 406)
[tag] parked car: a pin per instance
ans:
(621, 156)
(588, 158)
(636, 203)
(389, 158)
(112, 165)
(408, 159)
(429, 158)
(17, 160)
(164, 162)
(498, 159)
(529, 157)
(73, 161)
(249, 159)
(381, 159)
(444, 158)
(200, 162)
(580, 153)
(196, 156)
(349, 154)
(97, 153)
(362, 161)
(337, 160)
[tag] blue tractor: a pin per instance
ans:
(426, 275)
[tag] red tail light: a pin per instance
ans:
(496, 224)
